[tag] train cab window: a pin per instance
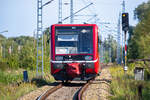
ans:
(67, 44)
(67, 38)
(77, 40)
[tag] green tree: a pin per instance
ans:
(140, 35)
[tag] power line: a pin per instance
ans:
(77, 11)
(47, 3)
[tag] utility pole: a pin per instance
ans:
(34, 36)
(39, 65)
(104, 55)
(39, 37)
(104, 51)
(101, 48)
(110, 57)
(123, 6)
(71, 12)
(60, 12)
(118, 41)
(109, 48)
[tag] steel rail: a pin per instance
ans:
(50, 91)
(83, 89)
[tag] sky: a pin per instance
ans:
(19, 17)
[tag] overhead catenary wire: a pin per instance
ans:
(77, 11)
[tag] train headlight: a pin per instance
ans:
(89, 65)
(58, 66)
(88, 57)
(59, 58)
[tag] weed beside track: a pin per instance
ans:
(125, 87)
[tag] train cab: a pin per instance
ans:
(74, 51)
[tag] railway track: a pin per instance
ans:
(49, 92)
(81, 91)
(76, 88)
(80, 94)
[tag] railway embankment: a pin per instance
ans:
(35, 94)
(100, 87)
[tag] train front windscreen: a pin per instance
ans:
(74, 40)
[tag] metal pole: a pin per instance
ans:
(109, 48)
(40, 55)
(101, 50)
(122, 48)
(125, 52)
(123, 10)
(103, 53)
(42, 73)
(39, 66)
(71, 12)
(34, 35)
(125, 42)
(109, 54)
(118, 41)
(123, 6)
(60, 12)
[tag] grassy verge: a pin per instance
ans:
(11, 91)
(124, 87)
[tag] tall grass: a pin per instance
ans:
(10, 91)
(7, 78)
(124, 87)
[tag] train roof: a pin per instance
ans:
(74, 25)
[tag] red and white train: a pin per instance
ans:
(74, 51)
